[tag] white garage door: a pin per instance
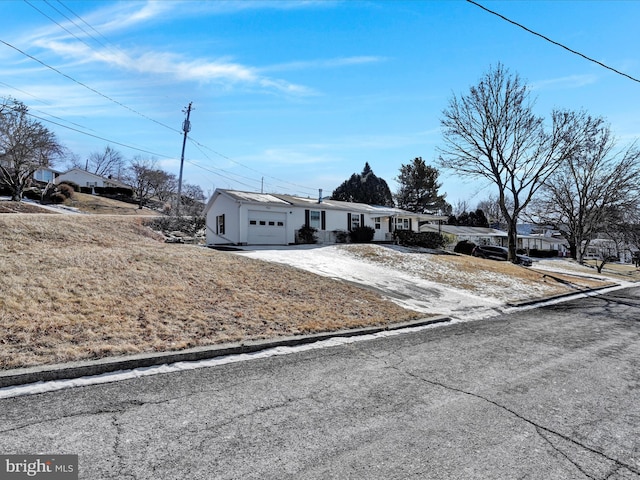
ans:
(267, 228)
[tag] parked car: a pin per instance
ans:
(499, 253)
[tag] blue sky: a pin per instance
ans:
(293, 96)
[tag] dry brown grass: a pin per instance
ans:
(21, 207)
(105, 206)
(87, 286)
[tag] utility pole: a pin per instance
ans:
(186, 127)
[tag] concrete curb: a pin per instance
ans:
(66, 371)
(526, 303)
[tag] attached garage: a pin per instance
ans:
(266, 228)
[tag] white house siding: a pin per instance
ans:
(86, 179)
(271, 219)
(226, 206)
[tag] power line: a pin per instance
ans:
(253, 169)
(86, 23)
(117, 102)
(86, 86)
(74, 23)
(54, 21)
(554, 42)
(99, 137)
(155, 154)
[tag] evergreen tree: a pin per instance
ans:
(419, 189)
(470, 219)
(365, 187)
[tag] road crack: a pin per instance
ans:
(538, 427)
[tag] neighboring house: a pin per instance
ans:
(491, 236)
(83, 178)
(601, 248)
(45, 175)
(245, 218)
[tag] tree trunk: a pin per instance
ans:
(512, 241)
(16, 193)
(573, 250)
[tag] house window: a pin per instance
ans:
(376, 223)
(355, 221)
(314, 219)
(402, 224)
(220, 224)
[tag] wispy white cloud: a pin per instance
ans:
(323, 64)
(293, 155)
(175, 67)
(571, 81)
(128, 14)
(123, 17)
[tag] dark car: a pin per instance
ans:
(499, 253)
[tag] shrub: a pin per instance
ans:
(408, 238)
(341, 236)
(465, 247)
(57, 197)
(66, 190)
(534, 252)
(74, 185)
(362, 234)
(307, 234)
(32, 194)
(188, 225)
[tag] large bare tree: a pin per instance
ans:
(592, 189)
(108, 162)
(25, 146)
(492, 133)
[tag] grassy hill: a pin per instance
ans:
(88, 286)
(80, 202)
(101, 205)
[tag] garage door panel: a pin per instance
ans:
(267, 228)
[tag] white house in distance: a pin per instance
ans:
(246, 218)
(45, 175)
(491, 236)
(83, 178)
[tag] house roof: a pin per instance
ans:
(93, 175)
(487, 232)
(275, 199)
(456, 230)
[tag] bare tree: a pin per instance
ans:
(167, 187)
(491, 207)
(108, 162)
(630, 229)
(144, 177)
(492, 133)
(25, 146)
(460, 207)
(591, 191)
(192, 199)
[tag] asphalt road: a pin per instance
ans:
(550, 393)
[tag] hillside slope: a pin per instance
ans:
(87, 286)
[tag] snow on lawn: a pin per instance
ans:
(426, 283)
